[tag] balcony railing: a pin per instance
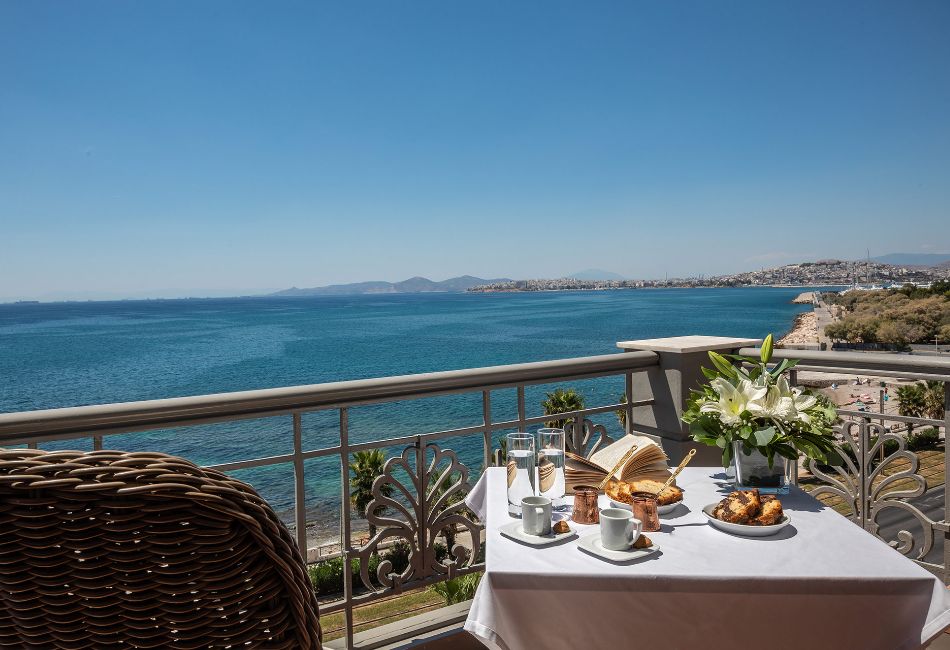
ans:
(419, 489)
(424, 477)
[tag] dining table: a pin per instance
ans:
(820, 582)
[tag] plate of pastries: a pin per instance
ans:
(619, 494)
(749, 513)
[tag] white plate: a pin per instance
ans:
(513, 530)
(663, 510)
(744, 529)
(591, 544)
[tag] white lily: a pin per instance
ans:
(733, 400)
(776, 403)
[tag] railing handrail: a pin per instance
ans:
(910, 366)
(182, 411)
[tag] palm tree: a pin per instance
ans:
(921, 401)
(366, 466)
(501, 458)
(933, 399)
(561, 401)
(621, 413)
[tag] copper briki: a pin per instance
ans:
(585, 505)
(644, 507)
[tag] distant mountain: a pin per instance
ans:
(913, 259)
(596, 274)
(412, 285)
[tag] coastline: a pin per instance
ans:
(804, 331)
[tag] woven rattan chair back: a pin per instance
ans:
(112, 549)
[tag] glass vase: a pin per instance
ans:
(753, 471)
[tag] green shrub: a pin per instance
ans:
(327, 576)
(398, 554)
(458, 589)
(927, 438)
(441, 552)
(890, 446)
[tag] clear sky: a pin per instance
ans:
(220, 147)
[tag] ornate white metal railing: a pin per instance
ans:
(881, 478)
(421, 490)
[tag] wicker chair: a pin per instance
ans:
(112, 549)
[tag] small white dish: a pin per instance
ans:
(513, 530)
(663, 510)
(591, 544)
(744, 529)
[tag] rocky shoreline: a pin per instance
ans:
(804, 330)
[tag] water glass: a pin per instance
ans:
(520, 462)
(551, 464)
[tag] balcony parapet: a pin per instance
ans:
(668, 386)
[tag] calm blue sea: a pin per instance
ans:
(69, 354)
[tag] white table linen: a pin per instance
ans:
(820, 583)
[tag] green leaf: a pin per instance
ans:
(710, 374)
(727, 456)
(722, 365)
(766, 353)
(786, 451)
(764, 436)
(780, 368)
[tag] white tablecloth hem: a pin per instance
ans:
(485, 634)
(934, 628)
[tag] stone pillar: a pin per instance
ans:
(669, 386)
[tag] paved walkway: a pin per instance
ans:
(823, 313)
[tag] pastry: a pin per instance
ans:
(771, 512)
(621, 491)
(643, 542)
(739, 507)
(750, 508)
(561, 527)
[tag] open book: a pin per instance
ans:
(648, 461)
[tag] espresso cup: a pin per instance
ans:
(536, 515)
(619, 529)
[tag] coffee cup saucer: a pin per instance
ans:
(591, 544)
(514, 530)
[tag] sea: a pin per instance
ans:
(70, 354)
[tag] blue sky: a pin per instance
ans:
(200, 147)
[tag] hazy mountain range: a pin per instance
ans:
(420, 284)
(417, 284)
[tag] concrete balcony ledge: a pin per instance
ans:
(440, 629)
(688, 344)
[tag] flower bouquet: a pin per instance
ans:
(753, 415)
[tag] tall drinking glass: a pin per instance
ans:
(551, 464)
(520, 462)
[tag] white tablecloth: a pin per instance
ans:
(820, 583)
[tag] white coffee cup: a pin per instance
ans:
(619, 529)
(536, 515)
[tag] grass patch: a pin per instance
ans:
(382, 612)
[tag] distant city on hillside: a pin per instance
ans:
(820, 273)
